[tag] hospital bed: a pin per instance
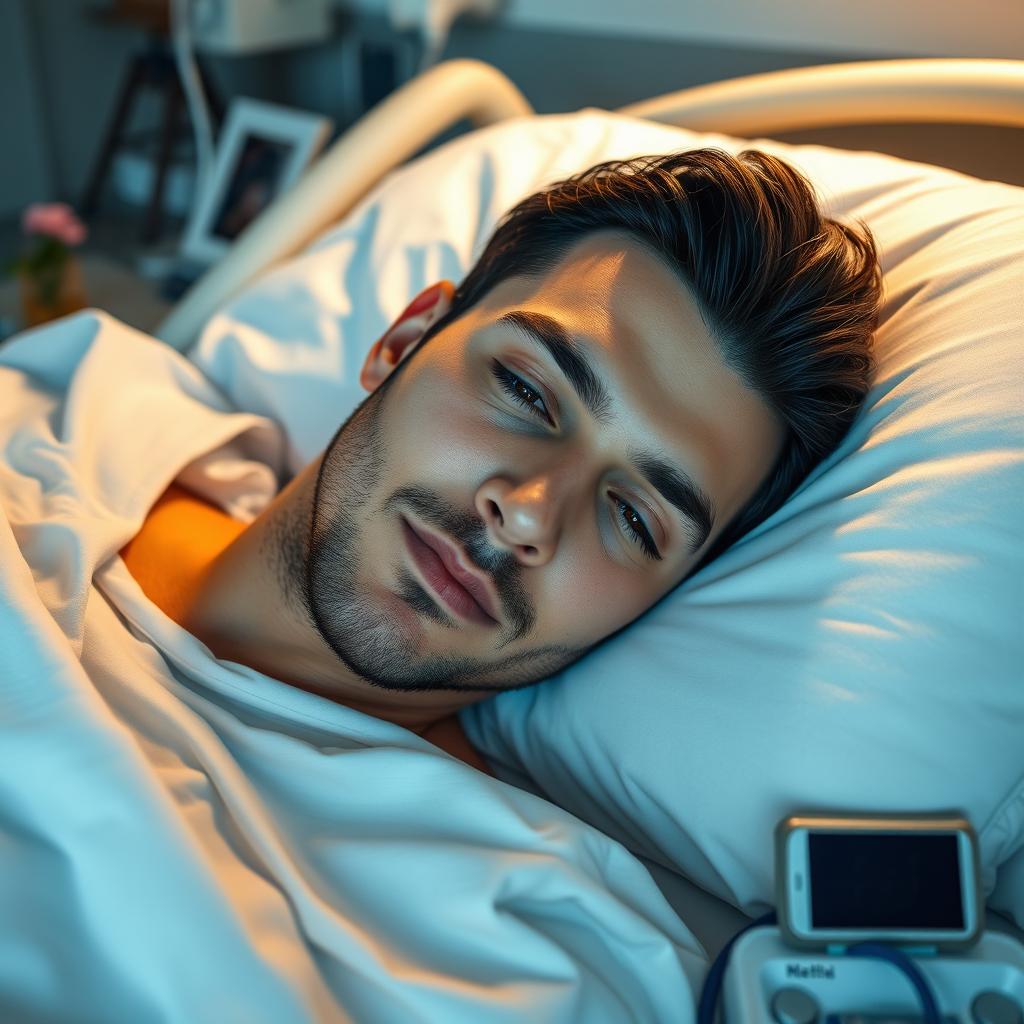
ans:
(896, 91)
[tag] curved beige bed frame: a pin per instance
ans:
(960, 91)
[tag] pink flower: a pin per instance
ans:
(57, 220)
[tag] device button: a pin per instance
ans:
(794, 1006)
(995, 1008)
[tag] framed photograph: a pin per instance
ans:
(262, 151)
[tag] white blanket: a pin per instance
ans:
(184, 839)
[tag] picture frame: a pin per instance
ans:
(262, 151)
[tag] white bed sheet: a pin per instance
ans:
(184, 839)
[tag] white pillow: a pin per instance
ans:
(862, 649)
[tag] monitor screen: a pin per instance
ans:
(895, 880)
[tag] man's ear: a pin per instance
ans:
(405, 333)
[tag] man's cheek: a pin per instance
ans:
(591, 597)
(459, 447)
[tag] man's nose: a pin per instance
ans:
(524, 516)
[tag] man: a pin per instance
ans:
(644, 362)
(225, 700)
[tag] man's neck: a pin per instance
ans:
(172, 557)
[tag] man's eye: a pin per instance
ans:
(515, 386)
(634, 525)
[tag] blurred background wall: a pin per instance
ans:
(64, 64)
(62, 69)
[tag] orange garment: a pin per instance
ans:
(178, 513)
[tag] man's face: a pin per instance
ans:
(542, 500)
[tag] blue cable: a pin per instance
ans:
(713, 981)
(929, 1007)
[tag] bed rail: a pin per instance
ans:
(394, 130)
(950, 91)
(954, 91)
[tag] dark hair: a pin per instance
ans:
(791, 297)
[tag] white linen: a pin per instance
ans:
(184, 839)
(862, 649)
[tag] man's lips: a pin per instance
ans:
(461, 590)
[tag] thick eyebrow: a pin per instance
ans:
(695, 507)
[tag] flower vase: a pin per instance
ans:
(52, 292)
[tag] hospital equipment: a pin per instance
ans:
(899, 878)
(433, 19)
(877, 879)
(832, 607)
(767, 982)
(254, 26)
